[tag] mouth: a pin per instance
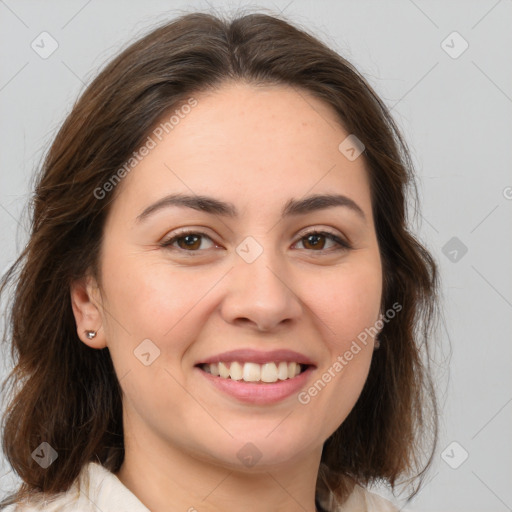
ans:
(255, 377)
(266, 373)
(256, 384)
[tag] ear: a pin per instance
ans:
(87, 309)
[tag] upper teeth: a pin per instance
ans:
(253, 372)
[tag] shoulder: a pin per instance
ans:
(376, 503)
(62, 502)
(362, 500)
(96, 488)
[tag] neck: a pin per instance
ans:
(163, 476)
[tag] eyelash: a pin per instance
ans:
(343, 245)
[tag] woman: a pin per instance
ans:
(220, 305)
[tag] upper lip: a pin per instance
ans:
(258, 356)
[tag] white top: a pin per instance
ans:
(96, 488)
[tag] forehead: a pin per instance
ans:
(251, 143)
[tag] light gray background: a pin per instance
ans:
(456, 116)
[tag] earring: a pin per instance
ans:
(90, 334)
(376, 344)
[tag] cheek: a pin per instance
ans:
(151, 299)
(347, 311)
(348, 303)
(351, 307)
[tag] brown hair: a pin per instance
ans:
(67, 394)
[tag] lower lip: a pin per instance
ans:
(258, 392)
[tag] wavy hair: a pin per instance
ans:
(67, 394)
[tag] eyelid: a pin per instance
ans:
(311, 230)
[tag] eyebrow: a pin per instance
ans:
(214, 206)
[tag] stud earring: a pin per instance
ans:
(90, 334)
(376, 344)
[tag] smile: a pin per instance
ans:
(257, 391)
(254, 372)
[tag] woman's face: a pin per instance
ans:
(250, 282)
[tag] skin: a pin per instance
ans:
(256, 147)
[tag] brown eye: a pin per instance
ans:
(189, 242)
(316, 241)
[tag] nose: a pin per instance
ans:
(260, 295)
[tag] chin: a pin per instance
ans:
(258, 452)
